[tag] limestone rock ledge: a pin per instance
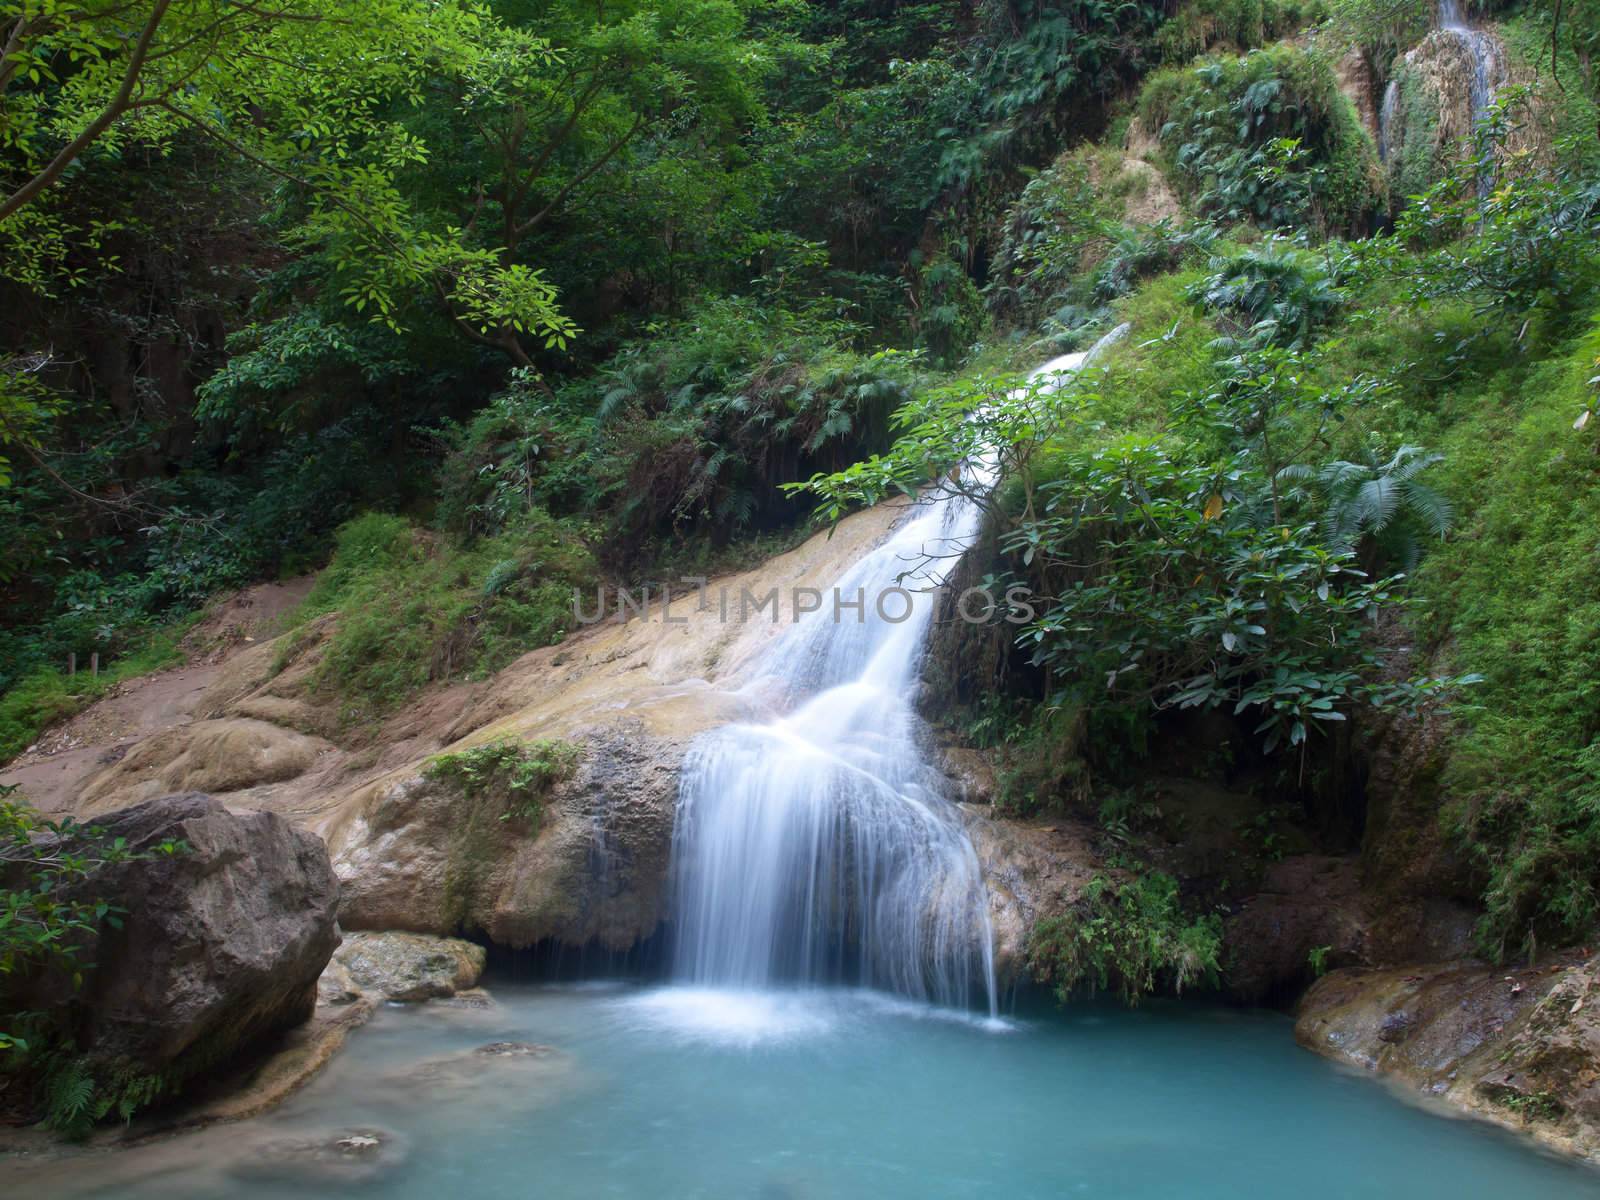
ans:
(399, 966)
(1519, 1047)
(1032, 870)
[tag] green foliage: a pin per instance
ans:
(1161, 576)
(1381, 28)
(1057, 228)
(1202, 25)
(1267, 138)
(1515, 595)
(1274, 291)
(1129, 934)
(1138, 254)
(48, 694)
(76, 1099)
(1383, 501)
(307, 99)
(414, 608)
(517, 774)
(1507, 231)
(948, 316)
(692, 429)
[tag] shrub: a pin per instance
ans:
(415, 607)
(1267, 138)
(516, 774)
(1132, 935)
(1202, 25)
(1514, 596)
(1279, 294)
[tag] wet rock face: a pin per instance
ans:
(422, 856)
(1032, 870)
(220, 945)
(1429, 109)
(404, 966)
(1308, 905)
(1520, 1047)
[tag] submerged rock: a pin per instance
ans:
(514, 1050)
(539, 1074)
(403, 966)
(343, 1159)
(1520, 1047)
(220, 945)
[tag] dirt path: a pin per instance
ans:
(53, 768)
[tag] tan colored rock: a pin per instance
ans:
(1033, 870)
(415, 853)
(1519, 1047)
(206, 756)
(1356, 80)
(1131, 178)
(403, 966)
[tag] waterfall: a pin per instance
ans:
(1482, 52)
(1386, 112)
(818, 847)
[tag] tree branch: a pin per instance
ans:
(118, 105)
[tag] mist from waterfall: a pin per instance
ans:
(818, 847)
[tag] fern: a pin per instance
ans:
(69, 1099)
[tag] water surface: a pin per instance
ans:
(680, 1092)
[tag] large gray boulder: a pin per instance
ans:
(219, 946)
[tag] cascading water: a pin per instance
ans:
(1386, 115)
(1482, 52)
(817, 847)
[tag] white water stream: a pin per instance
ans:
(1483, 53)
(817, 848)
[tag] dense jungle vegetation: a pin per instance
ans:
(471, 302)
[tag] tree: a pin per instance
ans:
(307, 96)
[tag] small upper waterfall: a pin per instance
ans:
(817, 847)
(1482, 53)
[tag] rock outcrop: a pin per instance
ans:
(206, 756)
(407, 967)
(1032, 869)
(220, 944)
(1436, 92)
(1520, 1047)
(417, 854)
(1308, 912)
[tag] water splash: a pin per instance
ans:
(817, 848)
